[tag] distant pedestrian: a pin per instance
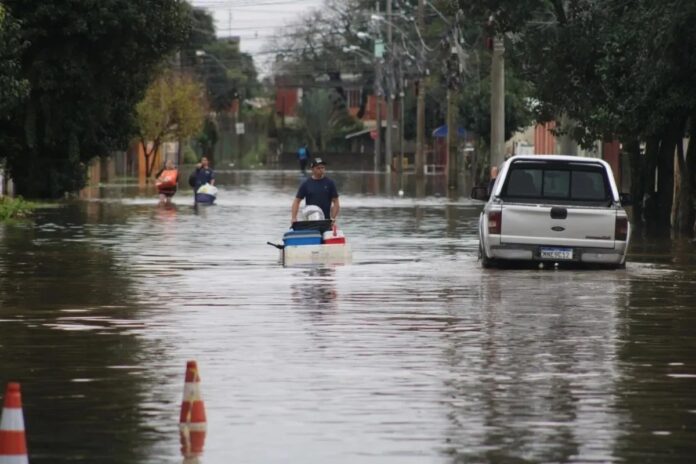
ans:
(202, 175)
(166, 182)
(303, 156)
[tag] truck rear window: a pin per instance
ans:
(575, 183)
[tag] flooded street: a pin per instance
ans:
(412, 354)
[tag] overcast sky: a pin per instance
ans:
(255, 21)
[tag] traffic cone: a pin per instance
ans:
(192, 422)
(13, 443)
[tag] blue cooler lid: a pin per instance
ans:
(302, 233)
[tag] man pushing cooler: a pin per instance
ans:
(318, 190)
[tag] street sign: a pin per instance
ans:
(239, 128)
(379, 48)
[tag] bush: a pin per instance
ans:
(15, 208)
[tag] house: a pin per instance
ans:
(288, 96)
(540, 140)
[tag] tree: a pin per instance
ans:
(597, 64)
(227, 72)
(13, 87)
(208, 137)
(173, 109)
(87, 64)
(320, 119)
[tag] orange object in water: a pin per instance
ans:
(167, 179)
(13, 442)
(192, 421)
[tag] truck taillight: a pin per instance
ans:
(621, 229)
(495, 222)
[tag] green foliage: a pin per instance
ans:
(15, 208)
(208, 137)
(226, 72)
(87, 64)
(173, 109)
(475, 104)
(597, 62)
(189, 155)
(13, 87)
(611, 69)
(321, 121)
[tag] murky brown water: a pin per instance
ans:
(413, 354)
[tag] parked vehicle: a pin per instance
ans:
(555, 209)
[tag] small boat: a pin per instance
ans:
(314, 242)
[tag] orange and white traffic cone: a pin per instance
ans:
(192, 422)
(13, 443)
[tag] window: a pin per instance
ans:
(353, 98)
(588, 185)
(521, 183)
(559, 182)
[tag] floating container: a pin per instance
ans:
(302, 237)
(333, 237)
(205, 198)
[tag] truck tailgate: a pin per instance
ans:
(582, 227)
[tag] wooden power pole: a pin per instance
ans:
(498, 103)
(420, 105)
(378, 104)
(388, 151)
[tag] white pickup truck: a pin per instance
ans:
(554, 209)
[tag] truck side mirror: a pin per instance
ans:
(480, 193)
(625, 199)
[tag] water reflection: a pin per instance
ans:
(411, 354)
(658, 369)
(69, 334)
(542, 368)
(315, 291)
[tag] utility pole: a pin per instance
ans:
(452, 130)
(452, 134)
(378, 103)
(498, 102)
(420, 105)
(388, 152)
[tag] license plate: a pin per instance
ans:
(556, 253)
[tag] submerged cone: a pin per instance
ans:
(13, 443)
(192, 421)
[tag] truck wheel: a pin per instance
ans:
(486, 262)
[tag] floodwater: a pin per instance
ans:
(412, 354)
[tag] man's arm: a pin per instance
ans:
(335, 208)
(295, 209)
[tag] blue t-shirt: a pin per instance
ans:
(318, 192)
(302, 153)
(204, 176)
